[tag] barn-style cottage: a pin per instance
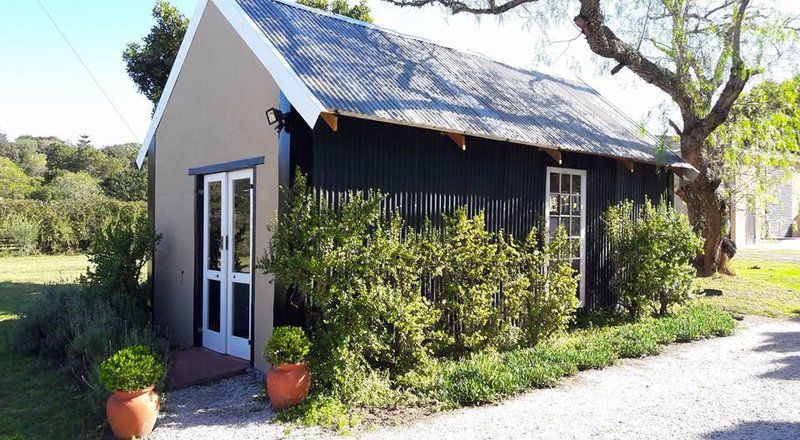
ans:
(358, 107)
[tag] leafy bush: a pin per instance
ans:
(288, 345)
(362, 276)
(14, 183)
(65, 226)
(471, 274)
(79, 327)
(130, 369)
(20, 232)
(119, 250)
(652, 254)
(544, 303)
(362, 272)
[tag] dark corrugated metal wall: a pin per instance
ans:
(424, 174)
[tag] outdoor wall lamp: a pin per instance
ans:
(275, 116)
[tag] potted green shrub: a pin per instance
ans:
(288, 378)
(131, 375)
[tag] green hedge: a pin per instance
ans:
(57, 226)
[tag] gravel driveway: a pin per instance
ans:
(741, 387)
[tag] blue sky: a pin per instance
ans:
(45, 91)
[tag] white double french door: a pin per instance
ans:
(227, 262)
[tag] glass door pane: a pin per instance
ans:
(214, 285)
(240, 233)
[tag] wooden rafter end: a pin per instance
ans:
(627, 164)
(458, 138)
(555, 154)
(331, 119)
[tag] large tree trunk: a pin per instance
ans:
(708, 210)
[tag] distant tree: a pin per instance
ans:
(25, 153)
(128, 184)
(84, 141)
(125, 153)
(70, 186)
(3, 137)
(360, 11)
(759, 145)
(14, 183)
(150, 61)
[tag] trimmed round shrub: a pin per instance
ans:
(130, 369)
(288, 345)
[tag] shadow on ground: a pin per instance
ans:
(788, 344)
(758, 430)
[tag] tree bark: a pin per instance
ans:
(708, 210)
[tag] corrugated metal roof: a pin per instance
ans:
(359, 69)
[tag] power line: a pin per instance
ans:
(96, 82)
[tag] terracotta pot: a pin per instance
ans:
(132, 413)
(287, 384)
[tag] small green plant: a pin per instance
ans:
(119, 251)
(651, 252)
(288, 345)
(130, 369)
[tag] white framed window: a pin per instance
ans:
(565, 201)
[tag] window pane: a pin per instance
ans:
(553, 225)
(241, 310)
(575, 227)
(213, 305)
(576, 264)
(553, 204)
(575, 247)
(241, 225)
(565, 183)
(576, 184)
(214, 224)
(554, 183)
(564, 205)
(565, 224)
(576, 205)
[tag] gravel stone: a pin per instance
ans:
(742, 387)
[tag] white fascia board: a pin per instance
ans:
(295, 90)
(173, 78)
(298, 94)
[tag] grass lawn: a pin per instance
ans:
(766, 283)
(37, 399)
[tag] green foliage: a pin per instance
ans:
(651, 253)
(127, 184)
(119, 250)
(487, 376)
(149, 62)
(130, 369)
(362, 276)
(79, 327)
(759, 144)
(66, 185)
(321, 410)
(288, 345)
(19, 232)
(360, 11)
(472, 270)
(14, 183)
(63, 225)
(362, 272)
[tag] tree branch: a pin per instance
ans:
(456, 6)
(605, 43)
